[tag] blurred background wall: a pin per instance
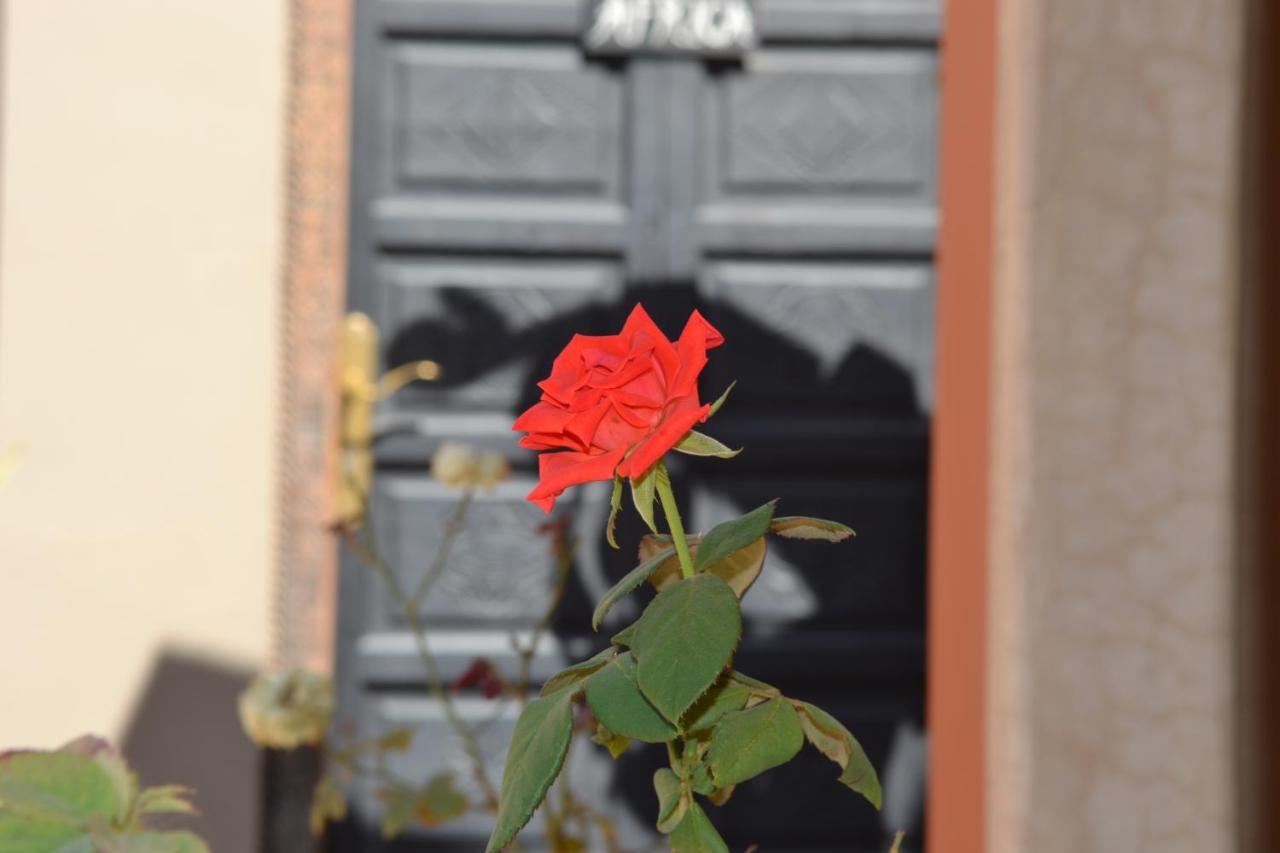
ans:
(1114, 555)
(139, 267)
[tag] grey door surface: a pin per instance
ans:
(510, 190)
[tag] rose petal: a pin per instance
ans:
(542, 417)
(668, 434)
(632, 371)
(636, 419)
(569, 372)
(549, 441)
(698, 337)
(640, 323)
(583, 425)
(636, 401)
(559, 471)
(713, 336)
(614, 432)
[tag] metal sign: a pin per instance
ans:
(718, 28)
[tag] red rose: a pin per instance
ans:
(616, 403)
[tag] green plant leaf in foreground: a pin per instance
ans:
(695, 834)
(725, 697)
(747, 743)
(642, 495)
(697, 444)
(578, 672)
(629, 582)
(615, 504)
(618, 704)
(759, 690)
(835, 742)
(166, 799)
(157, 842)
(673, 800)
(83, 798)
(684, 640)
(625, 637)
(732, 536)
(715, 407)
(534, 758)
(36, 835)
(67, 786)
(740, 569)
(801, 527)
(612, 741)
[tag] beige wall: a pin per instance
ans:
(139, 263)
(1114, 573)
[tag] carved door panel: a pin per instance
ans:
(511, 187)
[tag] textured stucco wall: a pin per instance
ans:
(1113, 576)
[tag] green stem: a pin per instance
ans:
(451, 530)
(672, 512)
(366, 546)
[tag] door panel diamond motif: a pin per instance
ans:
(481, 116)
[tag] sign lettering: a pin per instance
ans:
(703, 27)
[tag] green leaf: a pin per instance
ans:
(801, 527)
(684, 640)
(158, 842)
(399, 807)
(396, 740)
(618, 704)
(673, 800)
(720, 796)
(835, 742)
(534, 758)
(625, 637)
(697, 444)
(166, 799)
(725, 697)
(615, 504)
(758, 688)
(700, 778)
(441, 801)
(732, 536)
(578, 672)
(36, 835)
(328, 802)
(715, 407)
(740, 569)
(438, 802)
(747, 743)
(62, 785)
(612, 741)
(695, 834)
(642, 493)
(112, 763)
(633, 579)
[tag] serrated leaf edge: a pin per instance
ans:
(728, 666)
(630, 582)
(542, 790)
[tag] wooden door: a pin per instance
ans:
(512, 186)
